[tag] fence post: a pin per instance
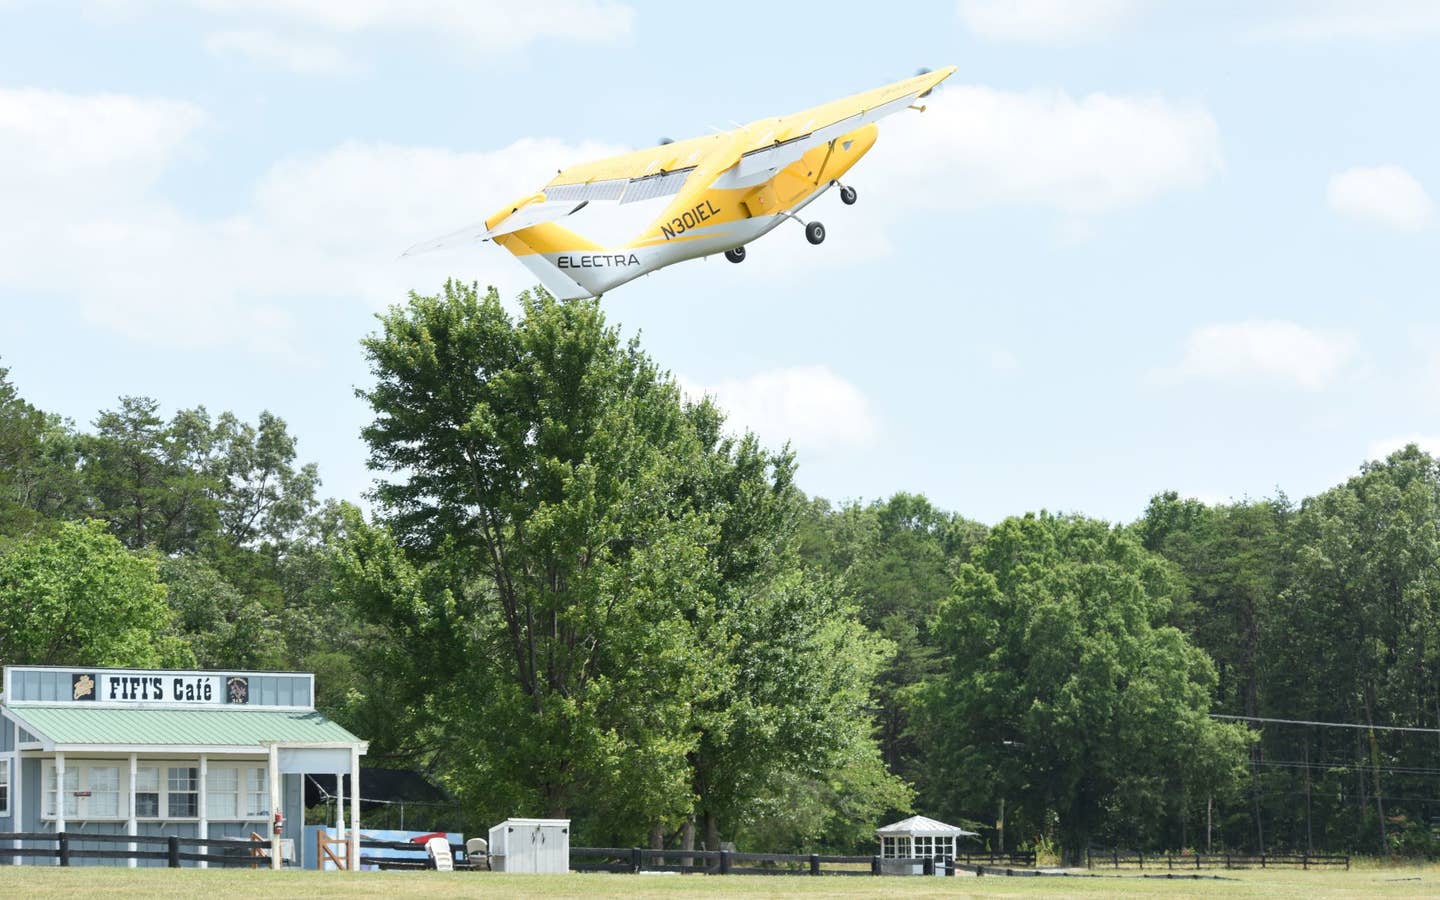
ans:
(637, 859)
(1305, 860)
(724, 862)
(874, 865)
(1115, 855)
(1262, 860)
(63, 849)
(173, 847)
(814, 864)
(1140, 855)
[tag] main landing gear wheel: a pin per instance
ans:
(847, 195)
(814, 232)
(736, 256)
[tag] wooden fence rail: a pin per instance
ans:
(231, 851)
(1128, 859)
(730, 862)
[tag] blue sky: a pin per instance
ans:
(1132, 246)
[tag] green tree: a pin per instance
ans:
(81, 598)
(1064, 691)
(38, 460)
(536, 467)
(154, 483)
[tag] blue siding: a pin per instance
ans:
(7, 735)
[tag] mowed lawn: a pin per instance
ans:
(192, 884)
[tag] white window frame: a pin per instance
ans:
(171, 793)
(78, 778)
(5, 787)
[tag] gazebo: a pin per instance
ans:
(919, 837)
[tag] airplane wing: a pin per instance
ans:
(789, 137)
(662, 171)
(521, 217)
(631, 177)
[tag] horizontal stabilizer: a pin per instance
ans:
(524, 217)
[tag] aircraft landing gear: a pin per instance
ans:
(814, 232)
(847, 195)
(736, 256)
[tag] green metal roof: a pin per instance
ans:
(76, 723)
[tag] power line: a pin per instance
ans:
(1359, 725)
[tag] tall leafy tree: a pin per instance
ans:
(1063, 689)
(38, 461)
(536, 468)
(81, 598)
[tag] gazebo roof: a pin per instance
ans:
(924, 827)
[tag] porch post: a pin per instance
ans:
(274, 805)
(204, 827)
(131, 826)
(59, 795)
(354, 854)
(17, 804)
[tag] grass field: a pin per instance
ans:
(42, 882)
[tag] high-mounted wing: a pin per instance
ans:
(631, 177)
(787, 138)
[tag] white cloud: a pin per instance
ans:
(264, 48)
(809, 406)
(479, 24)
(1265, 351)
(977, 147)
(1047, 21)
(1004, 362)
(1385, 195)
(1372, 20)
(84, 217)
(1378, 450)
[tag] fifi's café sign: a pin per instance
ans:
(159, 687)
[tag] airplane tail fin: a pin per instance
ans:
(530, 244)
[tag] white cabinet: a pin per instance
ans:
(531, 845)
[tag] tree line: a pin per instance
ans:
(577, 592)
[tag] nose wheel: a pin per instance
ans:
(736, 256)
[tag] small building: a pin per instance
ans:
(86, 750)
(918, 838)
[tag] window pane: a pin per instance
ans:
(147, 792)
(182, 801)
(104, 792)
(257, 792)
(182, 805)
(72, 784)
(147, 806)
(147, 778)
(222, 791)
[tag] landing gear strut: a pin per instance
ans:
(736, 256)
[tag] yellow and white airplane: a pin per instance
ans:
(723, 191)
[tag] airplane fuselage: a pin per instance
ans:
(730, 211)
